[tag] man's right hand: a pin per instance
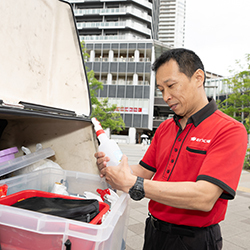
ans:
(101, 161)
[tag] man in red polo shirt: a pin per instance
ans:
(193, 165)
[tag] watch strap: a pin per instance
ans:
(139, 181)
(136, 192)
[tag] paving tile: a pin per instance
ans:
(234, 217)
(242, 240)
(228, 231)
(135, 242)
(143, 210)
(137, 228)
(135, 205)
(132, 221)
(231, 246)
(130, 233)
(134, 214)
(247, 221)
(129, 248)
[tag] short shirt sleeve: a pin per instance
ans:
(224, 161)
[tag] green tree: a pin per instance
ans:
(107, 117)
(101, 109)
(237, 103)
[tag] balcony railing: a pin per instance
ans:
(110, 37)
(144, 3)
(123, 82)
(141, 2)
(122, 24)
(124, 59)
(117, 11)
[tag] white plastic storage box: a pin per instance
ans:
(23, 229)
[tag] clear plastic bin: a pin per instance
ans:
(22, 229)
(25, 160)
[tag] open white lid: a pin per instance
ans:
(40, 53)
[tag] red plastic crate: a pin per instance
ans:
(22, 195)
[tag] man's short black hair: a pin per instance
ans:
(187, 60)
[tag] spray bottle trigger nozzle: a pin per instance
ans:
(103, 192)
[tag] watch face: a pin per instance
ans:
(137, 191)
(136, 194)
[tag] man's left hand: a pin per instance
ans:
(120, 177)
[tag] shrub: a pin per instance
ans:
(247, 160)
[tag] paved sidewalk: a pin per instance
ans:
(235, 227)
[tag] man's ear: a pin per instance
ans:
(199, 77)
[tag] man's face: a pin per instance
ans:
(178, 91)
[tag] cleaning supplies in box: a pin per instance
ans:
(41, 163)
(26, 160)
(59, 188)
(3, 190)
(103, 195)
(8, 154)
(108, 196)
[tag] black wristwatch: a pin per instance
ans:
(137, 191)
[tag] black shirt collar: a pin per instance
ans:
(201, 115)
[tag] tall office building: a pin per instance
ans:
(172, 22)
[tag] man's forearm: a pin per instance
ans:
(199, 195)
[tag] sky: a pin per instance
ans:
(219, 32)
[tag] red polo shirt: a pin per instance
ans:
(212, 147)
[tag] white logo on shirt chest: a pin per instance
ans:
(200, 140)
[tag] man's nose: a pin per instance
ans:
(166, 96)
